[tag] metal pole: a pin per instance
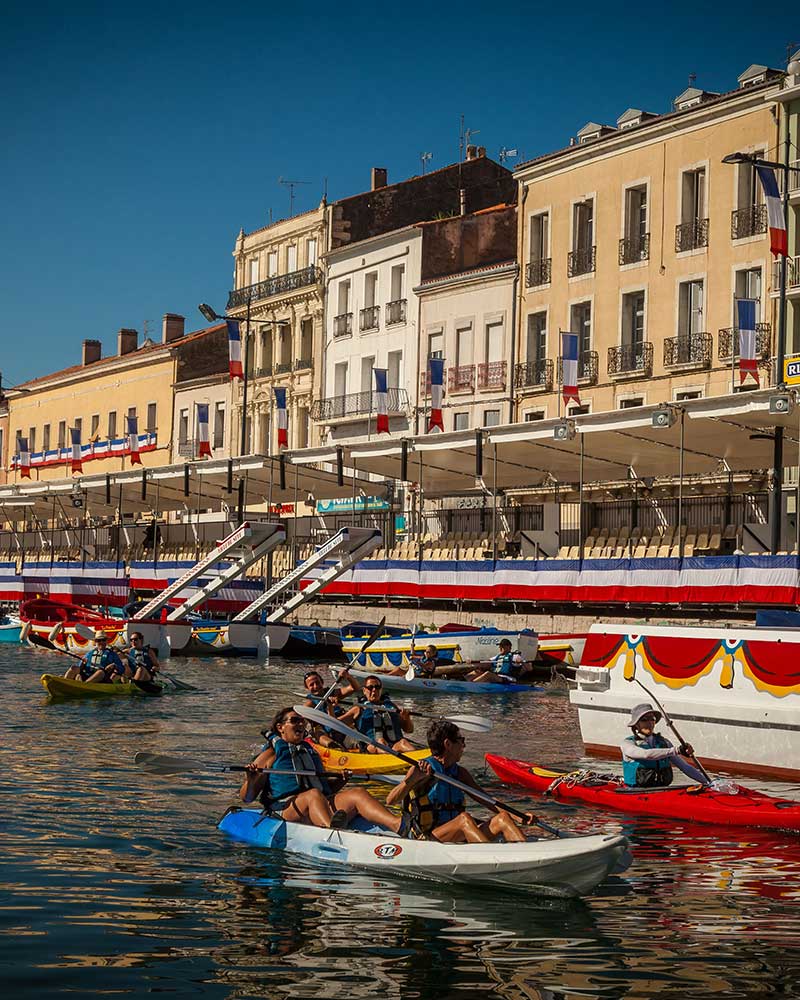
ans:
(777, 459)
(494, 501)
(680, 490)
(581, 533)
(243, 443)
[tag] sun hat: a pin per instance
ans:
(100, 634)
(639, 710)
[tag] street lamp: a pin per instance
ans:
(212, 317)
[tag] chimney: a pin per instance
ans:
(127, 341)
(380, 176)
(91, 351)
(171, 328)
(481, 152)
(472, 152)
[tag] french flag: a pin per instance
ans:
(203, 440)
(234, 349)
(75, 438)
(778, 239)
(436, 369)
(381, 400)
(283, 417)
(133, 440)
(746, 321)
(23, 458)
(569, 367)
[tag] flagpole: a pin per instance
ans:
(243, 442)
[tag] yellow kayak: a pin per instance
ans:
(365, 763)
(62, 687)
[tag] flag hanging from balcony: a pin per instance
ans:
(746, 322)
(381, 400)
(569, 367)
(283, 417)
(75, 438)
(436, 370)
(778, 241)
(203, 439)
(234, 349)
(23, 458)
(133, 439)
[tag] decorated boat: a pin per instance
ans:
(223, 638)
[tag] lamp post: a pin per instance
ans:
(212, 317)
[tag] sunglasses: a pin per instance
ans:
(373, 687)
(649, 718)
(294, 720)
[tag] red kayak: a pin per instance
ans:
(745, 808)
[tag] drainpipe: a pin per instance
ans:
(513, 347)
(516, 310)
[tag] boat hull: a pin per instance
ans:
(61, 687)
(467, 646)
(439, 685)
(366, 763)
(10, 630)
(235, 639)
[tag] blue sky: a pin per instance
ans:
(139, 139)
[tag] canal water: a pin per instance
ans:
(117, 883)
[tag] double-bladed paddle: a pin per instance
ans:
(86, 633)
(164, 764)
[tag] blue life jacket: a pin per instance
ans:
(101, 659)
(504, 665)
(140, 658)
(337, 712)
(631, 768)
(426, 668)
(380, 722)
(447, 800)
(294, 757)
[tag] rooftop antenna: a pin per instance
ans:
(291, 185)
(461, 138)
(468, 134)
(692, 79)
(425, 158)
(146, 329)
(505, 154)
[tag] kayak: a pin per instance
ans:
(744, 808)
(569, 867)
(365, 763)
(438, 685)
(62, 687)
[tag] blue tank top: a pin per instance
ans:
(295, 757)
(447, 801)
(380, 722)
(630, 767)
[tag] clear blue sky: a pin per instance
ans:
(139, 139)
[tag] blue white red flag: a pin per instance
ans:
(436, 370)
(283, 417)
(234, 349)
(23, 458)
(746, 322)
(381, 400)
(778, 240)
(569, 367)
(203, 439)
(133, 439)
(75, 438)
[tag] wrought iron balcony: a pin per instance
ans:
(635, 249)
(631, 359)
(588, 368)
(792, 275)
(538, 272)
(396, 312)
(728, 342)
(748, 221)
(581, 261)
(370, 318)
(263, 372)
(357, 404)
(461, 378)
(691, 235)
(534, 375)
(276, 285)
(692, 349)
(283, 367)
(342, 324)
(492, 375)
(301, 364)
(188, 448)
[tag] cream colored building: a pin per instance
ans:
(277, 271)
(639, 238)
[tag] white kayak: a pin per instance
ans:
(568, 867)
(441, 685)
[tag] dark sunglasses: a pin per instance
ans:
(294, 720)
(373, 687)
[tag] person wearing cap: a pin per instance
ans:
(648, 757)
(505, 666)
(100, 666)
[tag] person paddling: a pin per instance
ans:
(307, 798)
(506, 666)
(100, 666)
(315, 685)
(424, 667)
(438, 809)
(648, 757)
(378, 718)
(142, 660)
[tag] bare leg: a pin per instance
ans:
(73, 674)
(97, 677)
(503, 822)
(142, 674)
(487, 677)
(404, 746)
(358, 802)
(459, 830)
(311, 807)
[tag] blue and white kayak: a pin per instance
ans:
(441, 685)
(567, 867)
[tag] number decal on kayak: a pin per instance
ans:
(388, 851)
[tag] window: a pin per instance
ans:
(78, 425)
(306, 336)
(151, 418)
(530, 415)
(302, 423)
(272, 263)
(219, 425)
(537, 338)
(311, 252)
(494, 342)
(580, 322)
(747, 285)
(749, 192)
(436, 344)
(131, 411)
(693, 195)
(464, 355)
(367, 378)
(491, 418)
(344, 297)
(583, 225)
(635, 243)
(394, 370)
(45, 439)
(688, 394)
(31, 439)
(62, 434)
(370, 289)
(633, 319)
(291, 258)
(460, 421)
(540, 236)
(690, 309)
(253, 271)
(628, 404)
(398, 282)
(112, 425)
(576, 411)
(340, 379)
(266, 350)
(95, 425)
(183, 427)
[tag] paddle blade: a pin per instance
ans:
(410, 674)
(83, 631)
(162, 764)
(471, 723)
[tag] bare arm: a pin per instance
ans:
(255, 779)
(414, 776)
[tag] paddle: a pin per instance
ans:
(367, 643)
(86, 633)
(410, 674)
(478, 794)
(164, 764)
(671, 725)
(469, 723)
(150, 687)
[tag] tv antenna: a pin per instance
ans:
(425, 158)
(291, 185)
(505, 154)
(468, 134)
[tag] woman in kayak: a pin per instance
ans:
(142, 661)
(100, 666)
(380, 719)
(648, 757)
(307, 798)
(424, 667)
(438, 809)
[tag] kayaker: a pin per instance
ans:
(424, 667)
(307, 798)
(506, 665)
(142, 659)
(100, 666)
(438, 809)
(648, 757)
(379, 718)
(316, 687)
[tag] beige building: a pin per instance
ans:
(277, 271)
(638, 238)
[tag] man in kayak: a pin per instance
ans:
(142, 660)
(315, 686)
(438, 809)
(380, 719)
(506, 665)
(648, 757)
(307, 798)
(100, 666)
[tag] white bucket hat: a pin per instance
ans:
(639, 710)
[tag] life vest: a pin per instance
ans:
(647, 773)
(100, 659)
(446, 799)
(332, 733)
(140, 658)
(419, 809)
(380, 722)
(294, 757)
(425, 668)
(505, 665)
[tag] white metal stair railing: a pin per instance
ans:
(356, 543)
(248, 543)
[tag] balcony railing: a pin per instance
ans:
(792, 275)
(693, 349)
(633, 250)
(588, 368)
(190, 448)
(794, 177)
(534, 375)
(691, 235)
(357, 404)
(370, 318)
(728, 342)
(396, 312)
(263, 372)
(274, 286)
(749, 221)
(538, 272)
(283, 367)
(581, 261)
(631, 359)
(492, 375)
(461, 378)
(301, 364)
(342, 324)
